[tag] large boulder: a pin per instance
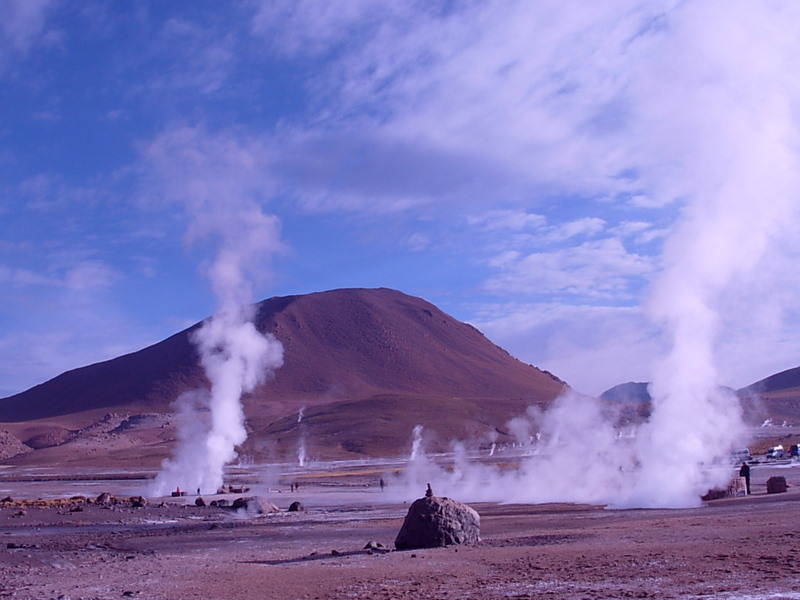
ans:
(432, 522)
(776, 484)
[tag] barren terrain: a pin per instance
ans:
(733, 548)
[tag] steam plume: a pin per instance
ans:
(301, 442)
(236, 357)
(416, 442)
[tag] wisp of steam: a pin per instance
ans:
(301, 441)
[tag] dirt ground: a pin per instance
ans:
(736, 548)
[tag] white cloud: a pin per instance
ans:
(418, 242)
(640, 232)
(90, 275)
(601, 269)
(20, 276)
(490, 102)
(514, 220)
(303, 27)
(22, 25)
(592, 348)
(588, 226)
(202, 56)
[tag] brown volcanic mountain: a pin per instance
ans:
(776, 397)
(365, 366)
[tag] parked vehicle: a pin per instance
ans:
(741, 455)
(775, 452)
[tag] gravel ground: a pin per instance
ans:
(736, 548)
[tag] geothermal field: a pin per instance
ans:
(62, 539)
(607, 190)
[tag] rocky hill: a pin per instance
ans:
(776, 397)
(363, 365)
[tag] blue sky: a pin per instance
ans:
(541, 169)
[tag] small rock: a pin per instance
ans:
(297, 507)
(138, 501)
(105, 499)
(199, 501)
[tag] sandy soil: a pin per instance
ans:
(742, 548)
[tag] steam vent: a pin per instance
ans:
(432, 522)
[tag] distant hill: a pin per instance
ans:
(627, 392)
(365, 365)
(776, 397)
(630, 401)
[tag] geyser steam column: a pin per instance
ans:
(727, 130)
(236, 358)
(216, 180)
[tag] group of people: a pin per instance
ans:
(296, 486)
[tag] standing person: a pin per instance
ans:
(383, 484)
(744, 471)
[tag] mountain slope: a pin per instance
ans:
(776, 397)
(364, 364)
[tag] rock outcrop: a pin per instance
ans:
(432, 522)
(10, 446)
(254, 505)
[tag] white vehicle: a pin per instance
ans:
(775, 452)
(741, 455)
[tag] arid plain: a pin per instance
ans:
(735, 548)
(352, 390)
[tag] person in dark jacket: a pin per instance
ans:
(744, 471)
